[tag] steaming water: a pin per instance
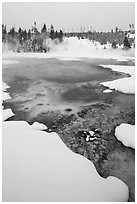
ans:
(56, 80)
(39, 85)
(74, 49)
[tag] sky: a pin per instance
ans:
(69, 16)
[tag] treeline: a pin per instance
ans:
(37, 41)
(31, 40)
(114, 37)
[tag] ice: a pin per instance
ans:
(37, 166)
(126, 134)
(124, 85)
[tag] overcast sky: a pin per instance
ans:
(68, 15)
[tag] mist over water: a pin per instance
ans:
(73, 48)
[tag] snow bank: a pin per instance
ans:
(5, 96)
(126, 134)
(121, 68)
(124, 85)
(37, 166)
(7, 114)
(73, 48)
(38, 126)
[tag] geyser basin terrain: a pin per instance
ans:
(42, 90)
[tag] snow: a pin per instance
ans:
(38, 126)
(4, 86)
(94, 138)
(37, 166)
(7, 114)
(91, 133)
(126, 134)
(121, 68)
(73, 48)
(5, 95)
(107, 91)
(87, 138)
(131, 35)
(124, 85)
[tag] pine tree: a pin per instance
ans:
(44, 29)
(24, 35)
(12, 32)
(60, 36)
(29, 34)
(116, 29)
(4, 32)
(126, 42)
(52, 36)
(56, 34)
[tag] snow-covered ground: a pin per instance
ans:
(126, 134)
(124, 85)
(37, 166)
